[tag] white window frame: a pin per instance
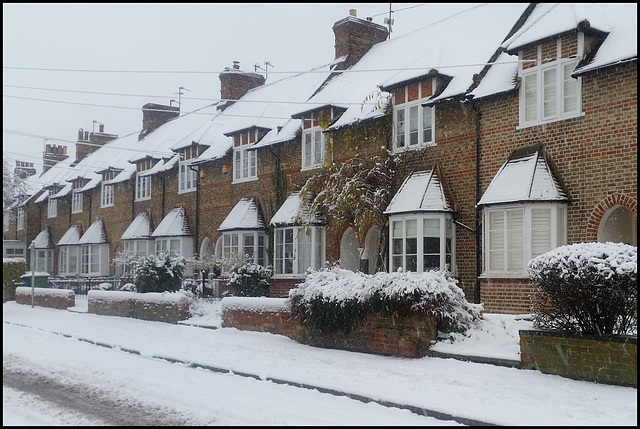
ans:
(402, 250)
(106, 199)
(298, 248)
(143, 187)
(245, 161)
(513, 234)
(69, 260)
(52, 207)
(169, 245)
(414, 123)
(20, 219)
(42, 260)
(77, 199)
(135, 249)
(93, 259)
(548, 93)
(314, 148)
(252, 243)
(188, 178)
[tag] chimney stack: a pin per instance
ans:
(154, 115)
(53, 154)
(88, 141)
(234, 83)
(354, 37)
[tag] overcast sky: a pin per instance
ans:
(68, 65)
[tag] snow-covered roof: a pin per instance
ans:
(295, 211)
(525, 177)
(72, 236)
(619, 20)
(243, 216)
(268, 107)
(436, 47)
(140, 227)
(42, 240)
(173, 224)
(422, 191)
(501, 77)
(95, 234)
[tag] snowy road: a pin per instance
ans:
(82, 383)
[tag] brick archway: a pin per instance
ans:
(605, 205)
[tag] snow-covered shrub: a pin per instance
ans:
(250, 279)
(586, 287)
(336, 299)
(128, 287)
(105, 286)
(159, 273)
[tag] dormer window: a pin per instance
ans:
(107, 189)
(52, 210)
(548, 93)
(20, 218)
(414, 123)
(314, 148)
(188, 177)
(245, 162)
(77, 197)
(143, 182)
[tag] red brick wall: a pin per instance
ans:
(383, 335)
(60, 299)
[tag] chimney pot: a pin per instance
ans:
(101, 127)
(236, 65)
(352, 12)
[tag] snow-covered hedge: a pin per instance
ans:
(335, 299)
(586, 287)
(250, 279)
(159, 273)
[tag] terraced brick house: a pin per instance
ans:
(471, 145)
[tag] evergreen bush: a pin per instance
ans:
(586, 287)
(12, 270)
(159, 273)
(250, 279)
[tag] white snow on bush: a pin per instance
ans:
(339, 285)
(607, 258)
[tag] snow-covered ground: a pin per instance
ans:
(74, 347)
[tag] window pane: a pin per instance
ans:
(561, 238)
(411, 228)
(307, 149)
(549, 93)
(426, 125)
(400, 128)
(570, 89)
(496, 241)
(530, 97)
(304, 250)
(412, 263)
(540, 231)
(317, 148)
(431, 227)
(515, 240)
(413, 125)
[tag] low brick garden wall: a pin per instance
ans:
(45, 297)
(161, 307)
(609, 359)
(390, 336)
